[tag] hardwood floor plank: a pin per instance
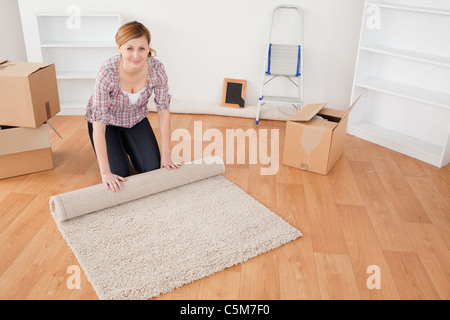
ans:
(288, 174)
(435, 203)
(356, 149)
(81, 161)
(239, 176)
(298, 275)
(365, 251)
(440, 178)
(221, 286)
(434, 255)
(15, 237)
(389, 228)
(31, 184)
(65, 126)
(326, 231)
(409, 167)
(187, 292)
(343, 185)
(336, 278)
(397, 188)
(31, 263)
(10, 184)
(262, 188)
(12, 205)
(410, 276)
(260, 277)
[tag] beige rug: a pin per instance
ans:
(143, 248)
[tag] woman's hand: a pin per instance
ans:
(167, 162)
(112, 181)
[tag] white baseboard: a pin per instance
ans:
(268, 112)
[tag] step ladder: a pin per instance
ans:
(283, 60)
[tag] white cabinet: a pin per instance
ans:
(77, 45)
(403, 74)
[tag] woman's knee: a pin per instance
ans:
(150, 165)
(121, 168)
(142, 147)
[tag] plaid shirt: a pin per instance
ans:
(109, 105)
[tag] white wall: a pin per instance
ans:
(12, 46)
(201, 42)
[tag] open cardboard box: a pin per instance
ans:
(315, 144)
(28, 93)
(24, 150)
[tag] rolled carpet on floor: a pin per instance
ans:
(83, 201)
(164, 229)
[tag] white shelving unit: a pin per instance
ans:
(403, 74)
(77, 50)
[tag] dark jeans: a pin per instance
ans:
(138, 142)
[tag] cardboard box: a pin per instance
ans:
(28, 93)
(315, 144)
(24, 150)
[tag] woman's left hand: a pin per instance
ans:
(168, 163)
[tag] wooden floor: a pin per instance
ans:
(375, 208)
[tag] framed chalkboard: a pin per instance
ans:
(233, 93)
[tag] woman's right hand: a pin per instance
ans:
(112, 181)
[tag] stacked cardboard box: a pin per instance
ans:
(28, 98)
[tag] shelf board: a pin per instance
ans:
(397, 141)
(407, 54)
(405, 91)
(409, 8)
(74, 75)
(79, 44)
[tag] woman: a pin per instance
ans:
(117, 110)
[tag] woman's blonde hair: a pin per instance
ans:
(133, 30)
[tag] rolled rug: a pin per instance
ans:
(87, 200)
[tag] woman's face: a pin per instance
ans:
(135, 51)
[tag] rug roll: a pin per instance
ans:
(87, 200)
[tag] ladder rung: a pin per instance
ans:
(284, 59)
(277, 99)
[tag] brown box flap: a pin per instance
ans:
(335, 113)
(351, 107)
(21, 69)
(306, 113)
